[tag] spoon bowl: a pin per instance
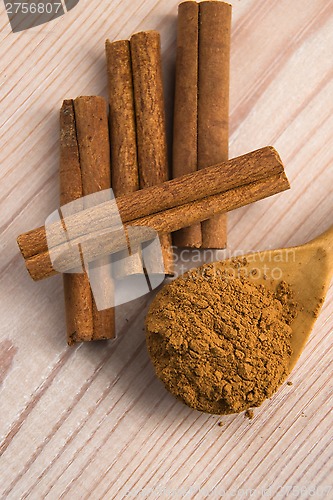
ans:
(307, 269)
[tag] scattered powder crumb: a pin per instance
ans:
(318, 308)
(289, 382)
(249, 414)
(220, 424)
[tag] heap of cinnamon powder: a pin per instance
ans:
(218, 341)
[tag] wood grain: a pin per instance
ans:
(93, 422)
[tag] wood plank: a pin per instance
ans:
(93, 421)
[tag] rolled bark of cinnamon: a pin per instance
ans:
(124, 160)
(185, 139)
(202, 103)
(94, 149)
(213, 102)
(150, 122)
(84, 170)
(258, 164)
(78, 297)
(40, 266)
(171, 205)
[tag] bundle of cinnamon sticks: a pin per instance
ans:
(137, 120)
(137, 160)
(126, 149)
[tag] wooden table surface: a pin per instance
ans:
(92, 421)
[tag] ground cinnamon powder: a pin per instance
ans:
(218, 341)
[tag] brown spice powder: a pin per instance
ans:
(218, 341)
(249, 414)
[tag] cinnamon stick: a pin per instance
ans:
(40, 266)
(124, 164)
(150, 120)
(93, 137)
(213, 102)
(185, 140)
(78, 297)
(239, 171)
(202, 103)
(91, 128)
(173, 204)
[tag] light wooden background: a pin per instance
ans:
(92, 421)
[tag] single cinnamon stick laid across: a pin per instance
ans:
(259, 164)
(150, 120)
(262, 167)
(40, 266)
(78, 298)
(202, 103)
(124, 160)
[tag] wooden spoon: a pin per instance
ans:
(308, 269)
